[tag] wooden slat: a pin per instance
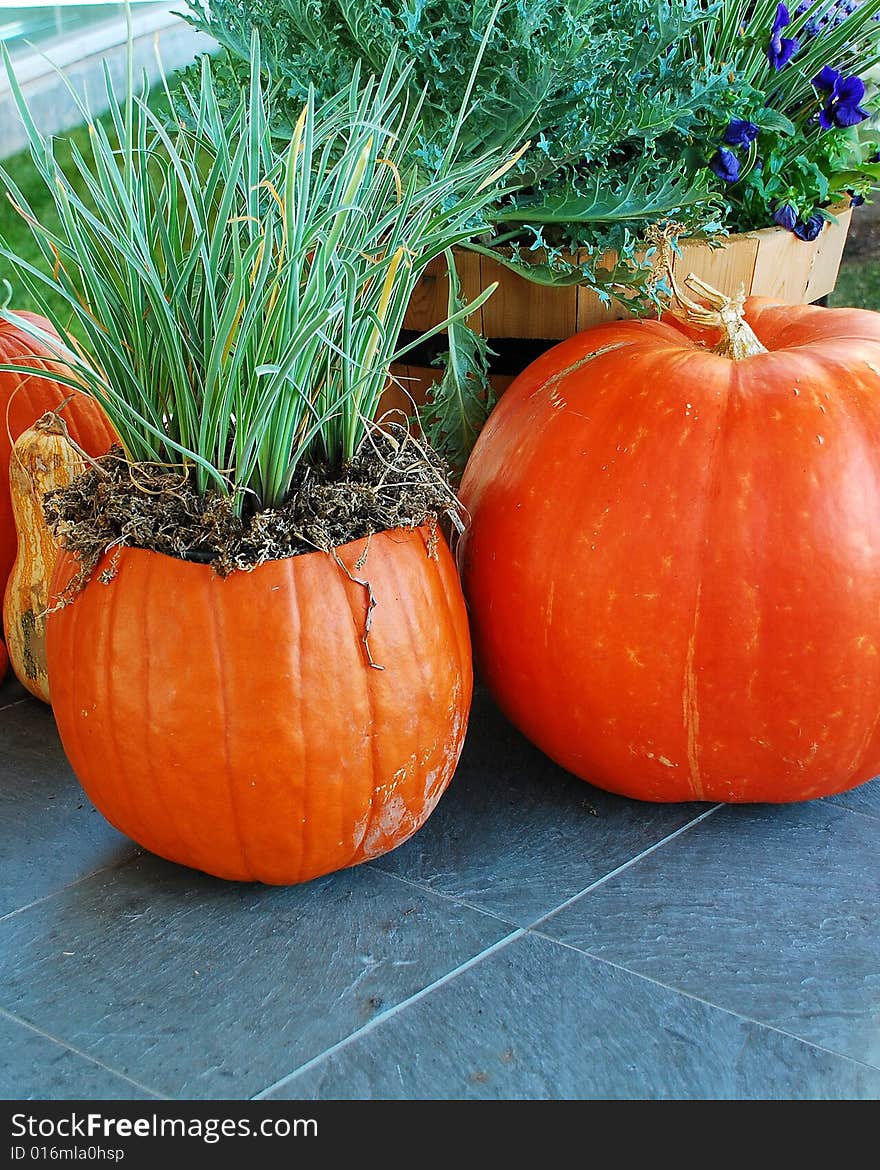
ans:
(500, 382)
(430, 300)
(521, 308)
(411, 390)
(827, 257)
(782, 270)
(397, 397)
(770, 262)
(421, 378)
(591, 310)
(727, 269)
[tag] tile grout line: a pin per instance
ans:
(14, 703)
(624, 866)
(377, 1021)
(830, 802)
(424, 887)
(707, 1002)
(453, 898)
(79, 1052)
(70, 885)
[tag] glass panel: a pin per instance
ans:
(38, 23)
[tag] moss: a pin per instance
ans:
(392, 482)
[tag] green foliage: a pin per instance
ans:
(794, 160)
(597, 85)
(625, 101)
(235, 304)
(456, 412)
(606, 90)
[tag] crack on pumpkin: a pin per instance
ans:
(371, 601)
(550, 386)
(691, 709)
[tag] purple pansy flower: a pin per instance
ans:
(781, 49)
(842, 100)
(855, 200)
(827, 79)
(785, 216)
(740, 132)
(725, 165)
(808, 230)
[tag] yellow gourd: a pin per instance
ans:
(42, 458)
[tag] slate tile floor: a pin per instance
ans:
(538, 939)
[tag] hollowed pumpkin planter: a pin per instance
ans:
(236, 725)
(673, 562)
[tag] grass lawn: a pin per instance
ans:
(14, 231)
(858, 285)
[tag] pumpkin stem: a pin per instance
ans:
(51, 423)
(738, 339)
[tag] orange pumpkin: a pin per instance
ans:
(4, 661)
(23, 399)
(673, 561)
(242, 730)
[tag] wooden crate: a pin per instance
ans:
(770, 262)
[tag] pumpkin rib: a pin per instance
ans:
(431, 600)
(439, 584)
(690, 688)
(453, 627)
(140, 574)
(834, 369)
(227, 712)
(107, 618)
(833, 363)
(295, 643)
(329, 598)
(457, 633)
(142, 571)
(105, 625)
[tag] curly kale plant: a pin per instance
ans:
(605, 89)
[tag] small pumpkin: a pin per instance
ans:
(42, 458)
(250, 736)
(23, 399)
(673, 560)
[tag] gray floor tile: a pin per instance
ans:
(537, 1021)
(200, 988)
(770, 911)
(50, 833)
(34, 1068)
(864, 799)
(517, 835)
(11, 691)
